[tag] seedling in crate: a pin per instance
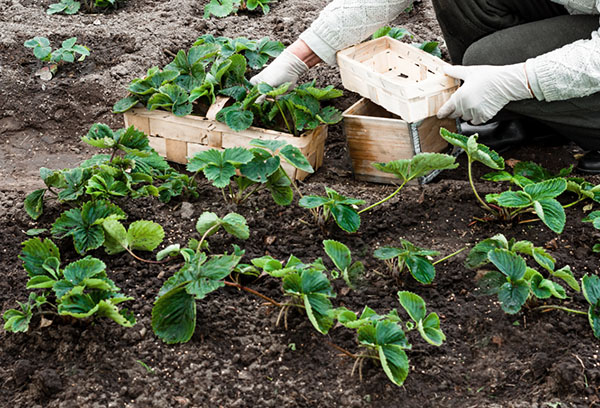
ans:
(251, 170)
(264, 106)
(223, 8)
(66, 53)
(416, 260)
(81, 289)
(384, 337)
(398, 33)
(514, 281)
(257, 52)
(594, 218)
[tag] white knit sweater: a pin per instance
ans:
(569, 72)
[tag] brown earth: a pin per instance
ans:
(238, 357)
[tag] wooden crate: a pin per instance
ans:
(377, 136)
(178, 138)
(399, 77)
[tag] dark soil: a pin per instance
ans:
(237, 356)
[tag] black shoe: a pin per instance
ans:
(498, 136)
(589, 163)
(504, 135)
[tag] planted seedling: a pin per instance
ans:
(417, 260)
(72, 6)
(384, 337)
(594, 218)
(398, 33)
(525, 173)
(174, 311)
(476, 152)
(66, 53)
(129, 170)
(514, 281)
(342, 258)
(81, 289)
(343, 209)
(223, 8)
(241, 172)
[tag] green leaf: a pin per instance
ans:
(509, 263)
(280, 187)
(346, 217)
(35, 253)
(475, 151)
(513, 199)
(261, 167)
(552, 213)
(566, 275)
(591, 289)
(491, 282)
(541, 288)
(339, 254)
(429, 328)
(513, 295)
(413, 304)
(294, 156)
(145, 235)
(207, 221)
(174, 316)
(594, 319)
(116, 239)
(16, 320)
(421, 269)
(88, 267)
(34, 203)
(313, 202)
(546, 189)
(235, 225)
(478, 256)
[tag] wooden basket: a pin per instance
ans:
(403, 79)
(178, 138)
(377, 136)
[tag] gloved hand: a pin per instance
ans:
(287, 67)
(485, 91)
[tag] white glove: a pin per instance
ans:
(287, 67)
(485, 91)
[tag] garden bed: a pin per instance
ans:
(237, 356)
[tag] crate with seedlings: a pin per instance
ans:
(403, 88)
(213, 106)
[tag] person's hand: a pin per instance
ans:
(287, 67)
(485, 91)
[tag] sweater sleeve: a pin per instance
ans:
(579, 6)
(346, 22)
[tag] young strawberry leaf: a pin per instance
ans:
(141, 236)
(342, 259)
(279, 185)
(35, 255)
(34, 203)
(415, 259)
(314, 289)
(233, 223)
(66, 6)
(85, 225)
(591, 291)
(41, 47)
(174, 316)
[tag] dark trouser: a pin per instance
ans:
(501, 32)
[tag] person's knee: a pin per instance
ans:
(481, 53)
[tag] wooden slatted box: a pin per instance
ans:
(178, 138)
(377, 136)
(399, 77)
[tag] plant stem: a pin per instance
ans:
(343, 350)
(564, 309)
(483, 203)
(145, 260)
(260, 295)
(573, 203)
(449, 256)
(224, 196)
(284, 117)
(256, 189)
(384, 200)
(216, 226)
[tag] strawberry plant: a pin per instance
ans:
(342, 259)
(594, 218)
(244, 172)
(81, 289)
(513, 280)
(73, 6)
(130, 169)
(344, 210)
(416, 260)
(66, 53)
(384, 337)
(526, 173)
(223, 8)
(257, 52)
(398, 33)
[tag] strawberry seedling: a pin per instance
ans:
(594, 218)
(398, 33)
(223, 8)
(66, 53)
(342, 259)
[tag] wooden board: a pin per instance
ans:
(399, 77)
(377, 136)
(178, 138)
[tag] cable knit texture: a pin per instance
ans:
(569, 72)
